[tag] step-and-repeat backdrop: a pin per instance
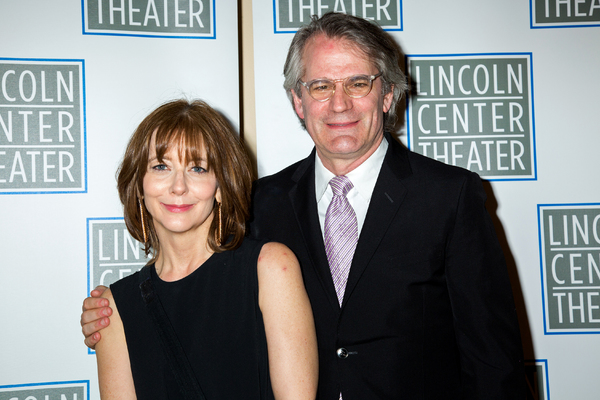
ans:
(508, 89)
(76, 78)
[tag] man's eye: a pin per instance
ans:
(358, 83)
(320, 87)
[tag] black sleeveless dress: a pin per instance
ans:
(214, 312)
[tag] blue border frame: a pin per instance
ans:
(25, 385)
(545, 364)
(84, 133)
(539, 206)
(558, 26)
(87, 241)
(148, 35)
(401, 16)
(530, 54)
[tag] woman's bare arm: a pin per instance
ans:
(289, 325)
(114, 370)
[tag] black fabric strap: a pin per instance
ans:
(188, 384)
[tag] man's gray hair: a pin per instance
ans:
(370, 39)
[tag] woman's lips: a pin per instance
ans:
(177, 208)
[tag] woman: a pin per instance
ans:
(213, 315)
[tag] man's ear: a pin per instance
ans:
(298, 105)
(387, 99)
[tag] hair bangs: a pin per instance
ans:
(186, 138)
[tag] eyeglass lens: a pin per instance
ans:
(354, 86)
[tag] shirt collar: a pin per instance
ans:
(362, 177)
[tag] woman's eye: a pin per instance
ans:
(198, 169)
(159, 167)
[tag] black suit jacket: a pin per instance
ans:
(428, 311)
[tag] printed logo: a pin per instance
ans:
(73, 390)
(42, 126)
(292, 14)
(162, 18)
(570, 261)
(536, 375)
(474, 111)
(112, 252)
(564, 13)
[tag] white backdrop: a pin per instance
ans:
(565, 59)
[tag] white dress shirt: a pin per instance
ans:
(363, 179)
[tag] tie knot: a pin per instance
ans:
(340, 185)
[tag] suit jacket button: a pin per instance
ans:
(342, 353)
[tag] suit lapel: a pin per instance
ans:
(303, 198)
(388, 195)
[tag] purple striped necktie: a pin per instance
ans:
(341, 234)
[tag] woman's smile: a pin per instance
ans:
(177, 208)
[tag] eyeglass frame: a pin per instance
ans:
(343, 80)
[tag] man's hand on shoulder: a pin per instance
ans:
(94, 316)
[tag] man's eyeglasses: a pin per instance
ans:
(355, 86)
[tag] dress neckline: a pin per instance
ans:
(162, 282)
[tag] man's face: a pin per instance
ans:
(346, 131)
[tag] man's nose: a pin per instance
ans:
(340, 101)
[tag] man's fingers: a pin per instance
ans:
(95, 314)
(94, 317)
(92, 340)
(91, 328)
(92, 303)
(98, 290)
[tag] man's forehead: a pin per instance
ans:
(330, 43)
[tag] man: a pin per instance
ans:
(417, 303)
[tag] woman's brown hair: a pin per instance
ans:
(192, 127)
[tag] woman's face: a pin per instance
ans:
(179, 197)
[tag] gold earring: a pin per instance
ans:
(143, 217)
(220, 227)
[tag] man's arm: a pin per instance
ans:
(94, 317)
(486, 326)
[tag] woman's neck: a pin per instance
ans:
(180, 255)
